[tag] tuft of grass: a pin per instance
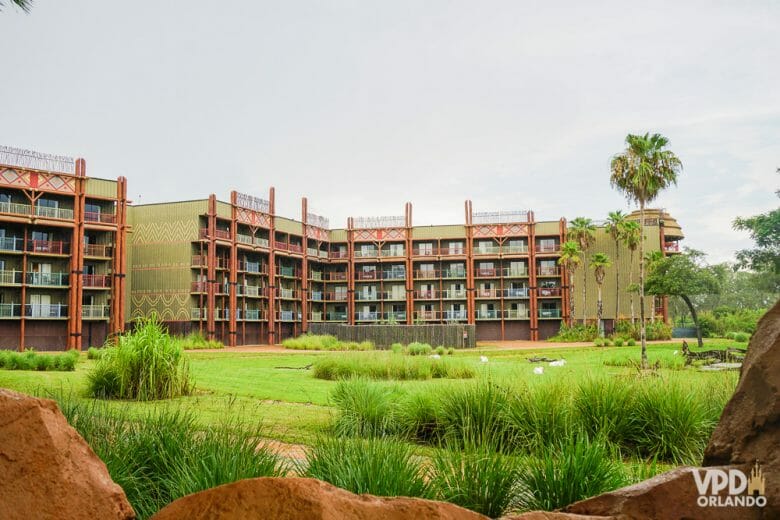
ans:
(603, 406)
(196, 340)
(324, 342)
(31, 360)
(539, 415)
(383, 365)
(474, 413)
(397, 348)
(572, 470)
(440, 350)
(146, 364)
(364, 409)
(94, 353)
(382, 467)
(418, 349)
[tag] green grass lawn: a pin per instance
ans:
(294, 406)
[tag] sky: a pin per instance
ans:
(362, 106)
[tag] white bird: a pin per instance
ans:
(483, 359)
(559, 363)
(538, 370)
(674, 353)
(435, 356)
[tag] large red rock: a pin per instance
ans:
(47, 470)
(293, 498)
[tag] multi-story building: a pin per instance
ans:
(62, 252)
(238, 272)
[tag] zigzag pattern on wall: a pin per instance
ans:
(168, 306)
(159, 267)
(163, 232)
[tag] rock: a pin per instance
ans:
(47, 470)
(293, 498)
(546, 515)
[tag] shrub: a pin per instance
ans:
(418, 417)
(603, 408)
(196, 340)
(450, 351)
(539, 415)
(418, 349)
(478, 477)
(630, 342)
(576, 332)
(381, 467)
(157, 458)
(146, 364)
(599, 342)
(397, 348)
(618, 342)
(741, 337)
(381, 365)
(658, 330)
(31, 360)
(324, 342)
(474, 414)
(574, 469)
(440, 350)
(94, 353)
(364, 409)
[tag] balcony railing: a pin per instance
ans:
(487, 250)
(549, 291)
(393, 296)
(46, 310)
(48, 279)
(10, 310)
(316, 296)
(287, 271)
(366, 297)
(100, 250)
(10, 277)
(199, 261)
(426, 295)
(197, 314)
(521, 292)
(549, 313)
(671, 247)
(56, 247)
(393, 252)
(487, 272)
(252, 315)
(96, 280)
(451, 294)
(335, 276)
(295, 248)
(548, 271)
(244, 239)
(453, 273)
(488, 314)
(515, 250)
(427, 315)
(316, 275)
(517, 314)
(288, 294)
(337, 254)
(15, 208)
(336, 296)
(95, 216)
(366, 253)
(199, 287)
(366, 275)
(488, 293)
(95, 312)
(287, 316)
(223, 262)
(395, 316)
(47, 212)
(251, 267)
(455, 315)
(554, 248)
(367, 316)
(515, 273)
(426, 274)
(262, 242)
(336, 316)
(315, 316)
(250, 290)
(394, 275)
(11, 244)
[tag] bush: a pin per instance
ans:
(630, 342)
(364, 409)
(741, 337)
(94, 353)
(474, 414)
(450, 351)
(539, 415)
(31, 360)
(381, 365)
(602, 406)
(381, 467)
(576, 332)
(146, 364)
(324, 342)
(196, 340)
(658, 330)
(599, 342)
(397, 348)
(158, 458)
(418, 349)
(618, 342)
(574, 469)
(441, 351)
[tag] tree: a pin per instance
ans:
(651, 257)
(632, 233)
(599, 262)
(583, 231)
(570, 259)
(765, 231)
(24, 5)
(683, 276)
(644, 169)
(616, 223)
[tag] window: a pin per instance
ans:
(425, 248)
(40, 236)
(48, 203)
(5, 197)
(396, 250)
(456, 248)
(367, 250)
(548, 245)
(92, 208)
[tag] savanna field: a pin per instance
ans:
(475, 427)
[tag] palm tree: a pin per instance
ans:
(24, 5)
(583, 231)
(616, 222)
(570, 259)
(631, 235)
(644, 169)
(599, 263)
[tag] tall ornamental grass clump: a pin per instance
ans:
(324, 342)
(384, 365)
(145, 364)
(197, 341)
(159, 457)
(364, 409)
(382, 467)
(31, 360)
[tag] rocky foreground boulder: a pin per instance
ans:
(47, 470)
(293, 498)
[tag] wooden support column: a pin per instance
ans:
(23, 303)
(350, 271)
(409, 266)
(77, 252)
(272, 340)
(233, 276)
(305, 266)
(211, 284)
(121, 249)
(471, 306)
(534, 290)
(566, 282)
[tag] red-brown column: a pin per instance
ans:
(233, 281)
(305, 266)
(271, 268)
(212, 267)
(534, 291)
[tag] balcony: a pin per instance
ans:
(487, 250)
(426, 251)
(336, 316)
(199, 287)
(253, 315)
(548, 271)
(516, 250)
(366, 275)
(56, 247)
(244, 239)
(336, 296)
(253, 291)
(11, 244)
(547, 249)
(10, 277)
(251, 267)
(295, 248)
(551, 292)
(337, 254)
(672, 247)
(197, 314)
(47, 212)
(367, 316)
(262, 242)
(549, 313)
(455, 315)
(316, 276)
(488, 314)
(426, 295)
(316, 296)
(453, 273)
(515, 273)
(16, 209)
(366, 297)
(315, 317)
(47, 279)
(336, 276)
(488, 293)
(366, 253)
(287, 316)
(395, 316)
(521, 292)
(426, 274)
(221, 234)
(427, 315)
(95, 312)
(288, 294)
(99, 250)
(451, 294)
(199, 261)
(104, 218)
(393, 252)
(10, 310)
(517, 314)
(96, 280)
(487, 272)
(394, 275)
(46, 310)
(223, 262)
(289, 272)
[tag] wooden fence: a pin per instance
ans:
(386, 335)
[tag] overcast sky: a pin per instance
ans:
(362, 106)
